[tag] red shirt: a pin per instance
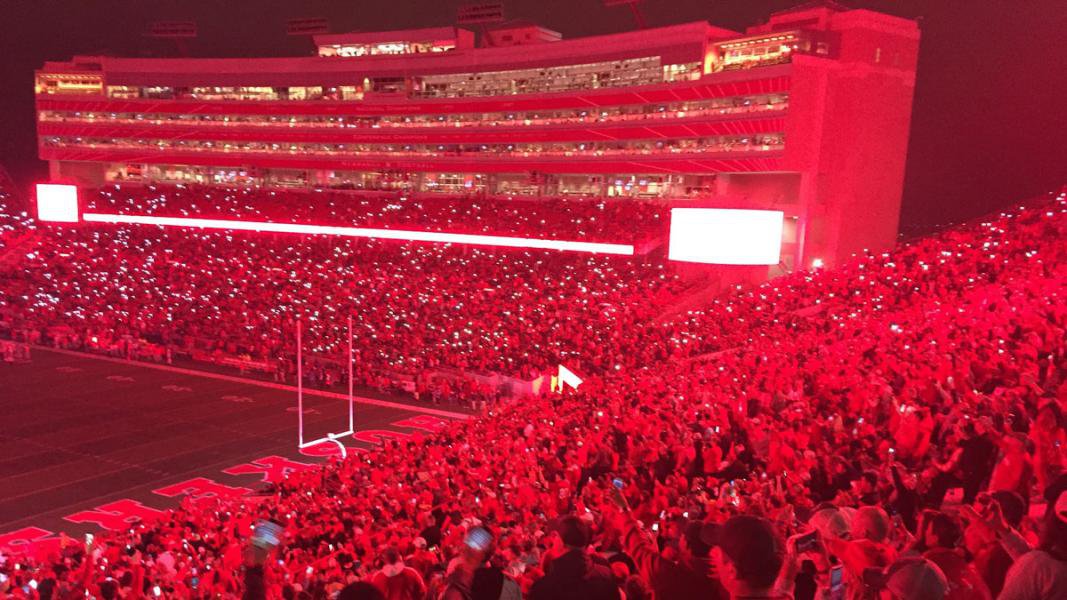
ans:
(406, 585)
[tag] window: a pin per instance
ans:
(61, 83)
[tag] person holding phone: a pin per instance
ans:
(470, 576)
(1041, 574)
(868, 547)
(266, 536)
(941, 535)
(692, 575)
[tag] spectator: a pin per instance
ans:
(942, 535)
(990, 559)
(913, 578)
(763, 404)
(475, 551)
(748, 557)
(360, 590)
(574, 574)
(867, 547)
(1041, 574)
(690, 574)
(970, 466)
(396, 580)
(490, 583)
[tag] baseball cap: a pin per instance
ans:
(916, 577)
(831, 523)
(871, 523)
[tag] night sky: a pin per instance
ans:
(989, 118)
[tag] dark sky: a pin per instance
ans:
(989, 120)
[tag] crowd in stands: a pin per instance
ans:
(892, 428)
(578, 219)
(12, 217)
(416, 307)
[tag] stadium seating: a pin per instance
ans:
(417, 307)
(829, 398)
(583, 219)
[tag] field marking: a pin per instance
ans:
(264, 384)
(176, 388)
(130, 491)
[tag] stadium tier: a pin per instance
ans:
(807, 114)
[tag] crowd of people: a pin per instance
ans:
(891, 428)
(576, 219)
(12, 217)
(417, 308)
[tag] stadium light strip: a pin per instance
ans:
(365, 232)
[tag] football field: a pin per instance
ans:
(81, 433)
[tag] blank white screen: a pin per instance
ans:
(724, 236)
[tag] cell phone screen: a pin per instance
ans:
(836, 577)
(479, 539)
(805, 542)
(267, 534)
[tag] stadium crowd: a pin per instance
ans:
(12, 219)
(802, 439)
(579, 219)
(150, 293)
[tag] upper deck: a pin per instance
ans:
(672, 45)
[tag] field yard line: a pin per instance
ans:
(265, 384)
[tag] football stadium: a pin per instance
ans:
(657, 302)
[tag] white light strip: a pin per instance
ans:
(389, 234)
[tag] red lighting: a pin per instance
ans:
(726, 236)
(389, 234)
(57, 202)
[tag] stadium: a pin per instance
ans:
(477, 309)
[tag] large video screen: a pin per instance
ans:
(721, 236)
(57, 202)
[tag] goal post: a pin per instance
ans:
(329, 437)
